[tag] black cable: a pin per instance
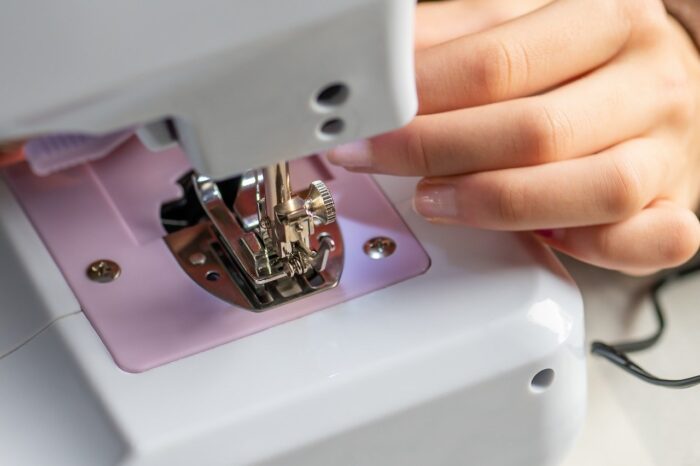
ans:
(617, 353)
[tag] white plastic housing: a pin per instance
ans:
(239, 78)
(435, 370)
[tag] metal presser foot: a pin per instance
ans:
(270, 247)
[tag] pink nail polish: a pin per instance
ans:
(353, 155)
(436, 201)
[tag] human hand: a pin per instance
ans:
(579, 120)
(10, 154)
(440, 21)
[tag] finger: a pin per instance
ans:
(603, 188)
(528, 55)
(10, 154)
(438, 22)
(661, 236)
(581, 118)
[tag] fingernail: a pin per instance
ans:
(554, 235)
(435, 201)
(353, 155)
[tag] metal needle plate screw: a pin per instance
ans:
(379, 247)
(103, 271)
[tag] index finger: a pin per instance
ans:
(522, 57)
(438, 22)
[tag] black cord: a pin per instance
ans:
(617, 353)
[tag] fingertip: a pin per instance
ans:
(355, 155)
(436, 201)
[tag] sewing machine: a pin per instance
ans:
(196, 293)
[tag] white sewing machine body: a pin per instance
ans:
(238, 78)
(434, 370)
(461, 347)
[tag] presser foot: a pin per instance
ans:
(267, 249)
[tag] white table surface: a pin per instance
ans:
(630, 422)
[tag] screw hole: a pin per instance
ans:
(332, 127)
(333, 95)
(542, 380)
(213, 276)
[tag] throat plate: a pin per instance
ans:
(154, 313)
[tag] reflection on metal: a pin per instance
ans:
(380, 247)
(198, 258)
(268, 249)
(103, 271)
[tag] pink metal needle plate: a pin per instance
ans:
(154, 313)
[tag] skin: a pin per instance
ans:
(578, 120)
(10, 154)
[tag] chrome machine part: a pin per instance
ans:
(103, 271)
(379, 247)
(271, 247)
